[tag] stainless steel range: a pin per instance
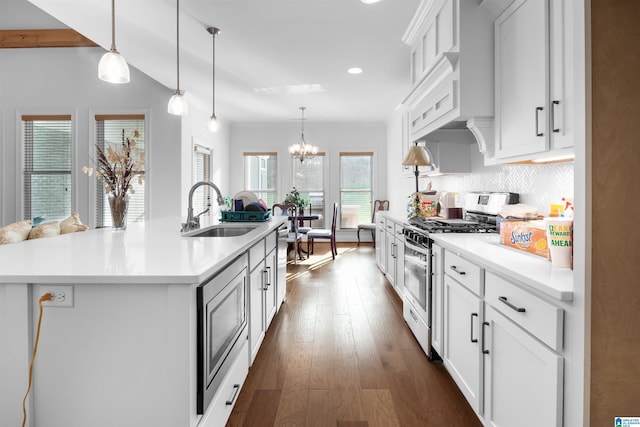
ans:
(481, 210)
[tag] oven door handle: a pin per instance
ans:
(418, 249)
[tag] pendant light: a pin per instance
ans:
(112, 67)
(178, 103)
(303, 150)
(214, 124)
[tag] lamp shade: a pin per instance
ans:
(214, 124)
(417, 156)
(113, 68)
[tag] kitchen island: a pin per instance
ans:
(124, 353)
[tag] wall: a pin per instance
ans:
(538, 185)
(70, 85)
(615, 292)
(331, 138)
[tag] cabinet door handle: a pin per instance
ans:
(415, 318)
(472, 316)
(236, 389)
(454, 268)
(265, 280)
(538, 133)
(553, 116)
(484, 351)
(511, 306)
(268, 276)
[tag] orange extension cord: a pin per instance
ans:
(45, 297)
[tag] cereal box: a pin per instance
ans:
(529, 236)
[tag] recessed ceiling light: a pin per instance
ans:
(355, 70)
(369, 1)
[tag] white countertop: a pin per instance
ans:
(147, 252)
(533, 271)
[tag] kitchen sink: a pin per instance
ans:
(222, 230)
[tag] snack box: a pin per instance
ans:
(528, 236)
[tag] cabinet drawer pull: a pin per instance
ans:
(415, 318)
(538, 133)
(472, 316)
(484, 351)
(518, 309)
(236, 389)
(454, 268)
(553, 116)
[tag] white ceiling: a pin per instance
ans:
(266, 51)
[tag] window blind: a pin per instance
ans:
(201, 172)
(109, 130)
(356, 188)
(47, 166)
(260, 175)
(308, 178)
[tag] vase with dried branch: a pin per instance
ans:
(118, 167)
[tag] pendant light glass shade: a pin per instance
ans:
(214, 124)
(178, 103)
(112, 67)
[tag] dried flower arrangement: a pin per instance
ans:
(118, 166)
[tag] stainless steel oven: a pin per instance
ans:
(417, 276)
(221, 325)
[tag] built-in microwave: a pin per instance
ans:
(221, 326)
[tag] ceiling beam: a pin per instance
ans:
(13, 39)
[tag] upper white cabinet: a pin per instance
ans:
(534, 61)
(451, 64)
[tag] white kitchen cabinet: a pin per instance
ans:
(394, 251)
(262, 291)
(533, 60)
(437, 299)
(381, 242)
(462, 356)
(523, 378)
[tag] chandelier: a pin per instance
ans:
(302, 150)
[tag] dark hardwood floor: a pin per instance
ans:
(339, 354)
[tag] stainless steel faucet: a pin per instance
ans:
(193, 222)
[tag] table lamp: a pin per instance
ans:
(417, 156)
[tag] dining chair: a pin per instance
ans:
(378, 205)
(293, 237)
(325, 234)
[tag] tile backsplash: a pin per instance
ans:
(538, 185)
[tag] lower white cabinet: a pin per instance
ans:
(523, 378)
(502, 346)
(381, 243)
(462, 356)
(394, 251)
(223, 401)
(263, 263)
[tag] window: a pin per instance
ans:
(260, 175)
(201, 172)
(356, 189)
(47, 166)
(308, 178)
(110, 131)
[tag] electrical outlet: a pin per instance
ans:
(62, 295)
